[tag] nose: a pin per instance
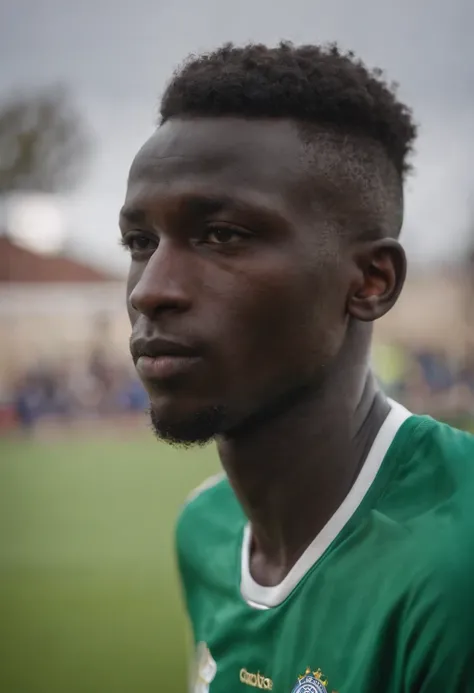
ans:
(165, 283)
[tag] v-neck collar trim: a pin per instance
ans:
(261, 597)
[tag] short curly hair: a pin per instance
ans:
(310, 84)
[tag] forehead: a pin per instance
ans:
(224, 154)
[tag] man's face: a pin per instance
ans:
(237, 285)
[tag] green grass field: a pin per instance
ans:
(89, 596)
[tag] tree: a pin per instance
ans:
(43, 142)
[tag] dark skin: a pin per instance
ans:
(236, 254)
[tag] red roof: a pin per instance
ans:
(18, 264)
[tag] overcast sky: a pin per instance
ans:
(117, 57)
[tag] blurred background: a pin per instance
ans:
(89, 598)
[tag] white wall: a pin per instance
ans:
(62, 322)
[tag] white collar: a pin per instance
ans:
(261, 597)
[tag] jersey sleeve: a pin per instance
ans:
(438, 638)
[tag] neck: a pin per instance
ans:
(313, 450)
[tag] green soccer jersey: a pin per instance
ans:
(382, 601)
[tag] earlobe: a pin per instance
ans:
(382, 271)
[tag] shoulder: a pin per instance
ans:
(445, 436)
(439, 437)
(440, 449)
(209, 513)
(208, 531)
(212, 495)
(208, 483)
(430, 493)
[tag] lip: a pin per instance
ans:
(160, 358)
(164, 366)
(159, 346)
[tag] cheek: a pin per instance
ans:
(294, 320)
(270, 319)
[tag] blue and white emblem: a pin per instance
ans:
(311, 682)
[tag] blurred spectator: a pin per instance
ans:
(97, 389)
(427, 382)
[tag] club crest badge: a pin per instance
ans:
(204, 670)
(311, 682)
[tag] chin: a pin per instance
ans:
(193, 428)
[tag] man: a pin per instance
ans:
(262, 219)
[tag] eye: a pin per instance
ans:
(139, 244)
(224, 235)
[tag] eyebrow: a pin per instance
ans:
(132, 215)
(199, 205)
(203, 205)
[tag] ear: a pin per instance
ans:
(381, 274)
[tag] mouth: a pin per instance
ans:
(161, 359)
(164, 367)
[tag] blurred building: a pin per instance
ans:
(56, 309)
(434, 312)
